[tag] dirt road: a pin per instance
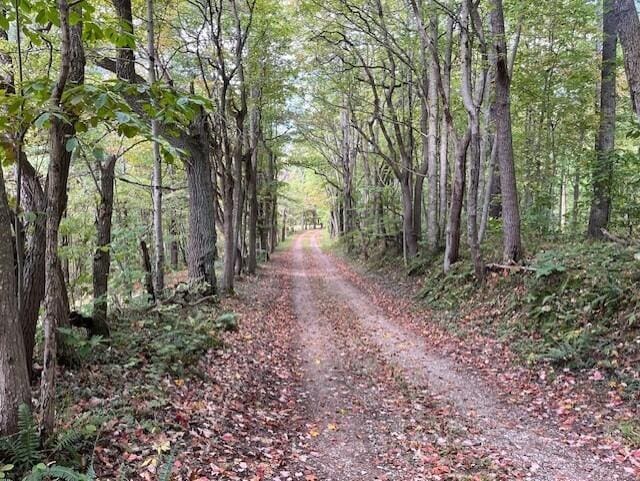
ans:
(382, 405)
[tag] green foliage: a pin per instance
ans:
(448, 291)
(180, 343)
(22, 450)
(84, 348)
(580, 295)
(42, 472)
(164, 472)
(26, 453)
(227, 322)
(630, 430)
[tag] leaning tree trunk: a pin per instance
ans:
(628, 26)
(512, 246)
(14, 377)
(603, 167)
(33, 267)
(102, 255)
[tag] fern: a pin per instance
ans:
(23, 448)
(41, 472)
(67, 440)
(164, 473)
(91, 473)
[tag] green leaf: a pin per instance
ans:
(71, 144)
(42, 120)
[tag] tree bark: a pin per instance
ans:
(229, 231)
(512, 246)
(156, 182)
(410, 236)
(201, 251)
(33, 275)
(102, 255)
(14, 377)
(252, 187)
(452, 247)
(125, 60)
(72, 63)
(174, 244)
(628, 26)
(145, 261)
(432, 146)
(603, 166)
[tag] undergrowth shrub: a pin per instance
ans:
(25, 456)
(181, 342)
(581, 303)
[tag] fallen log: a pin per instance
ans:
(493, 267)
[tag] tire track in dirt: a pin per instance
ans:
(539, 449)
(341, 454)
(367, 423)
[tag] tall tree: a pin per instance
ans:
(102, 256)
(511, 239)
(605, 142)
(158, 238)
(628, 28)
(14, 377)
(61, 146)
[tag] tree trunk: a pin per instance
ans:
(72, 62)
(14, 377)
(410, 237)
(156, 182)
(125, 61)
(229, 231)
(252, 187)
(145, 261)
(512, 247)
(603, 166)
(452, 247)
(34, 202)
(201, 251)
(174, 244)
(102, 255)
(432, 146)
(629, 33)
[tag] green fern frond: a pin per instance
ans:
(67, 440)
(164, 474)
(26, 444)
(91, 473)
(54, 472)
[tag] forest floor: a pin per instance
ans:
(334, 376)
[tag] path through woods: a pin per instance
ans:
(381, 405)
